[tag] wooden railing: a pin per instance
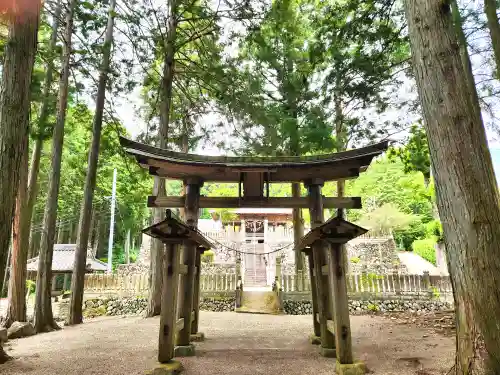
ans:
(392, 284)
(358, 285)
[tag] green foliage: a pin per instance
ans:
(94, 312)
(386, 218)
(30, 287)
(435, 230)
(435, 293)
(372, 307)
(355, 260)
(208, 256)
(405, 237)
(425, 248)
(415, 153)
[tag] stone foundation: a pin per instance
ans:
(137, 306)
(362, 307)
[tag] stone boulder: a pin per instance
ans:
(20, 329)
(3, 335)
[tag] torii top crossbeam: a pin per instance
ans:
(253, 173)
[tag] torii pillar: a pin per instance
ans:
(320, 289)
(188, 287)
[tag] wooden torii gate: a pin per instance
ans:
(253, 176)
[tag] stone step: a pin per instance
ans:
(260, 302)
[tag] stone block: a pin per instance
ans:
(20, 329)
(185, 351)
(170, 368)
(356, 368)
(315, 340)
(328, 352)
(197, 337)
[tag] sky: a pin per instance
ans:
(127, 107)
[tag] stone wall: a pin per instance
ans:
(137, 306)
(293, 307)
(374, 255)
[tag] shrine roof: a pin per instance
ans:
(177, 165)
(336, 230)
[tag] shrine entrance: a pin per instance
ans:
(323, 245)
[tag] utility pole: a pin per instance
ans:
(112, 224)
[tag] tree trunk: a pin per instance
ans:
(78, 279)
(157, 248)
(490, 8)
(19, 257)
(97, 237)
(461, 162)
(464, 52)
(92, 228)
(44, 320)
(19, 57)
(20, 49)
(42, 128)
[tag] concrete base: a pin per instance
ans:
(185, 351)
(328, 352)
(356, 368)
(315, 340)
(197, 337)
(170, 368)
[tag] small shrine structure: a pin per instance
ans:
(323, 244)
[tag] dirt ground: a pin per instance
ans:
(240, 344)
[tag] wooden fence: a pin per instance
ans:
(392, 284)
(358, 285)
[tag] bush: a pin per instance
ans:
(208, 256)
(435, 229)
(425, 248)
(30, 287)
(405, 237)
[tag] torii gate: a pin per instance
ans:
(253, 175)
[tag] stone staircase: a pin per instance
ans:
(255, 268)
(255, 277)
(260, 302)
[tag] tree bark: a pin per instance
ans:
(17, 283)
(464, 52)
(20, 50)
(490, 8)
(156, 279)
(42, 124)
(44, 320)
(78, 279)
(461, 162)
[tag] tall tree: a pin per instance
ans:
(44, 320)
(359, 46)
(490, 8)
(274, 98)
(77, 282)
(25, 202)
(18, 64)
(461, 162)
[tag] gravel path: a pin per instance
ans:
(240, 344)
(416, 265)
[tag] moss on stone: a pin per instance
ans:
(170, 368)
(356, 368)
(185, 351)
